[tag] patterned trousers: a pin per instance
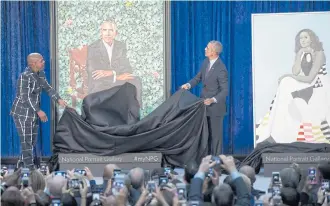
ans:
(27, 128)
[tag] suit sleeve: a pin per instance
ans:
(26, 90)
(196, 189)
(194, 81)
(49, 89)
(243, 196)
(223, 84)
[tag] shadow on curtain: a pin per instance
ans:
(24, 29)
(194, 24)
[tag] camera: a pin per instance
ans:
(276, 178)
(182, 191)
(25, 173)
(151, 186)
(163, 180)
(74, 184)
(312, 176)
(60, 173)
(276, 191)
(81, 172)
(56, 202)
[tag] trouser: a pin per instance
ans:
(27, 128)
(215, 125)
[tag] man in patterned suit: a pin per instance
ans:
(26, 106)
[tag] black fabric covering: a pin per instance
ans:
(255, 160)
(109, 125)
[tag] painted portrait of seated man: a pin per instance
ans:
(107, 62)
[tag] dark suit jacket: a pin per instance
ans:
(98, 59)
(215, 84)
(243, 196)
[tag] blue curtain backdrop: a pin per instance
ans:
(194, 24)
(25, 28)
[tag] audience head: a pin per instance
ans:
(247, 181)
(136, 175)
(290, 196)
(249, 172)
(223, 195)
(55, 185)
(324, 168)
(68, 200)
(12, 197)
(191, 168)
(289, 178)
(42, 198)
(37, 180)
(108, 171)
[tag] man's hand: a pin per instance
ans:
(62, 103)
(228, 163)
(89, 174)
(42, 115)
(125, 76)
(185, 86)
(206, 164)
(97, 74)
(208, 101)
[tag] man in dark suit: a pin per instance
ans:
(213, 75)
(107, 62)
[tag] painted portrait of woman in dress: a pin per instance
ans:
(300, 110)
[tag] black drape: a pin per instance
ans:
(109, 125)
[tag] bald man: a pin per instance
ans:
(26, 107)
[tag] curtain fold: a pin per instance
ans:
(194, 24)
(25, 28)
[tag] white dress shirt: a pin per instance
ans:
(109, 49)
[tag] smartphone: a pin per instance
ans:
(325, 186)
(210, 173)
(163, 180)
(167, 171)
(151, 186)
(74, 184)
(25, 173)
(43, 168)
(118, 182)
(216, 159)
(312, 176)
(81, 172)
(276, 191)
(116, 172)
(96, 196)
(276, 178)
(3, 171)
(60, 173)
(56, 202)
(182, 191)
